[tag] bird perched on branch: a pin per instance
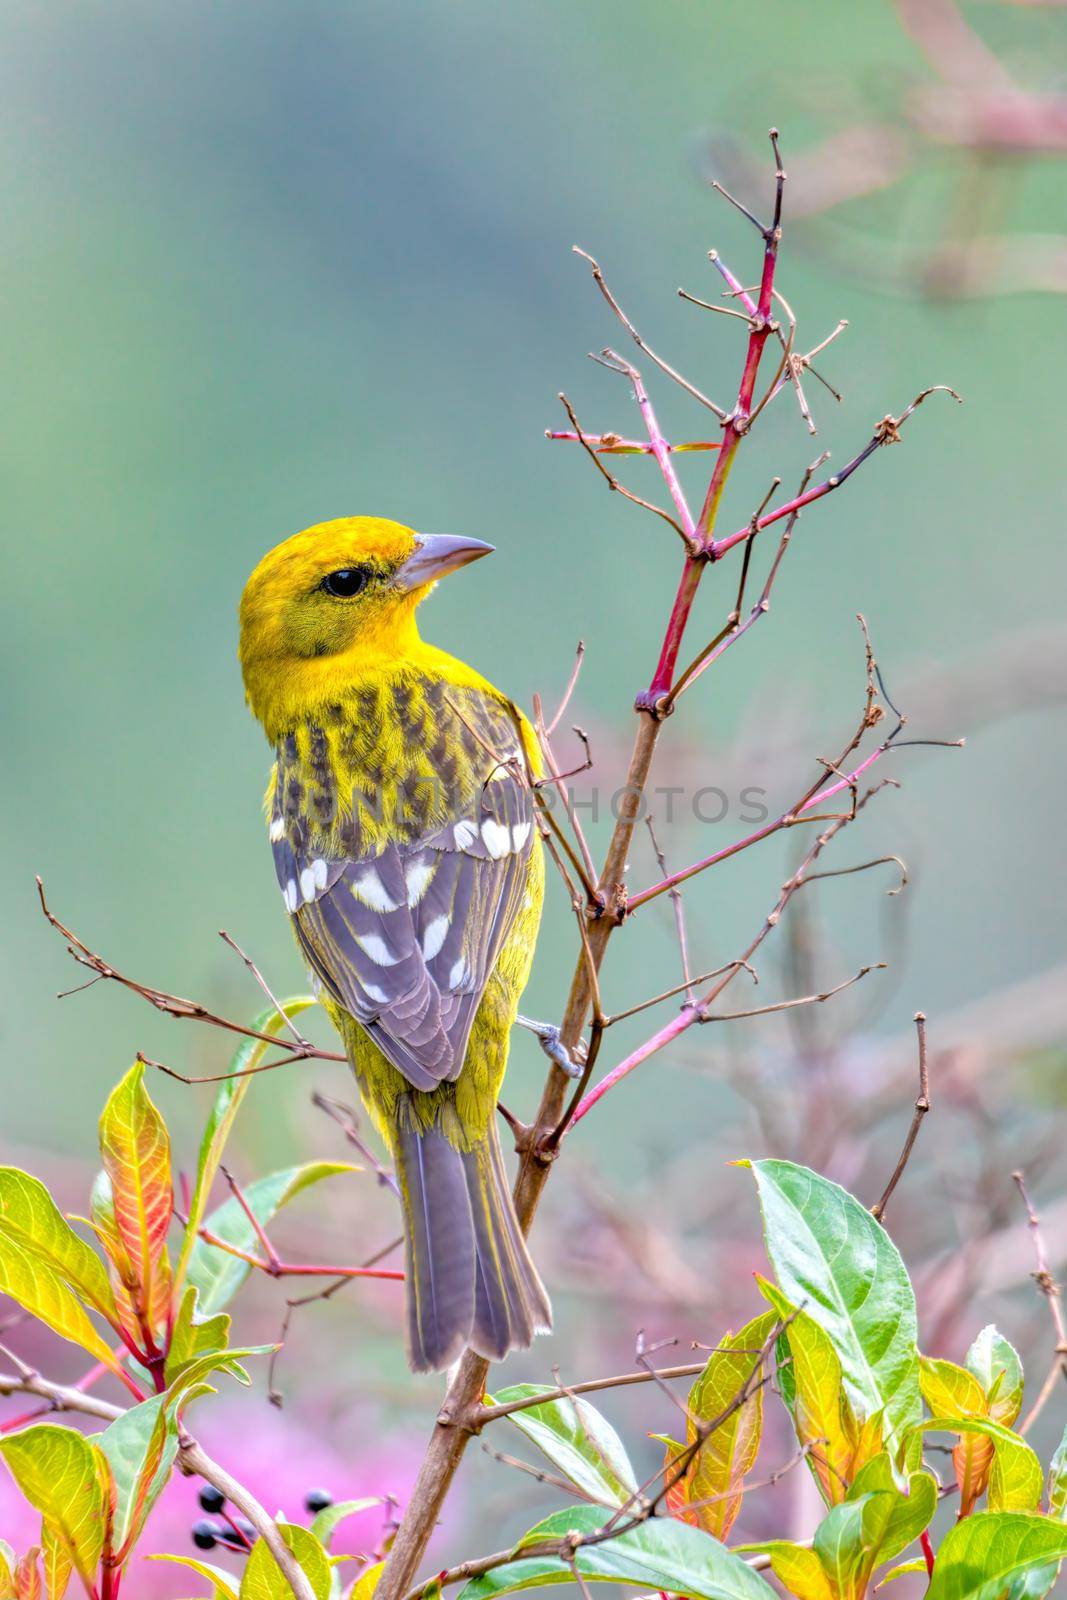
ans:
(402, 824)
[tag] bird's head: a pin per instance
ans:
(335, 598)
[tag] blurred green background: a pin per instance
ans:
(268, 264)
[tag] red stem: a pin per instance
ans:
(724, 854)
(928, 1552)
(734, 430)
(719, 547)
(275, 1268)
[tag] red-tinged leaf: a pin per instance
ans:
(135, 1147)
(715, 1486)
(124, 1281)
(972, 1459)
(677, 1496)
(28, 1584)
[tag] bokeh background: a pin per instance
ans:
(269, 264)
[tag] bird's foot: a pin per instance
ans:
(547, 1035)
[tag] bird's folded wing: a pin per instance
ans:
(405, 939)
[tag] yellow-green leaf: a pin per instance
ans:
(367, 1582)
(7, 1571)
(714, 1485)
(326, 1522)
(57, 1564)
(263, 1579)
(46, 1267)
(135, 1147)
(228, 1099)
(194, 1335)
(223, 1584)
(1015, 1479)
(904, 1569)
(950, 1391)
(797, 1569)
(65, 1477)
(812, 1383)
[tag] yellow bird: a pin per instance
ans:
(402, 825)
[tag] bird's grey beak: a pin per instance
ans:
(436, 555)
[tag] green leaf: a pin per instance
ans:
(815, 1396)
(839, 1265)
(950, 1391)
(223, 1114)
(140, 1449)
(875, 1523)
(714, 1484)
(194, 1335)
(906, 1515)
(222, 1582)
(135, 1147)
(1057, 1481)
(1016, 1478)
(217, 1274)
(44, 1265)
(659, 1553)
(981, 1557)
(65, 1477)
(576, 1439)
(1040, 1581)
(142, 1444)
(263, 1578)
(847, 1542)
(327, 1521)
(798, 1569)
(996, 1365)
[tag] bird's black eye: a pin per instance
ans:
(346, 582)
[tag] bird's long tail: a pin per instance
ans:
(470, 1279)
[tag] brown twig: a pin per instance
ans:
(171, 1004)
(1044, 1279)
(679, 911)
(922, 1106)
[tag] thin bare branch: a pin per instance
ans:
(598, 278)
(171, 1004)
(922, 1106)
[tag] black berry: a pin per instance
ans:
(205, 1534)
(317, 1500)
(211, 1499)
(246, 1528)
